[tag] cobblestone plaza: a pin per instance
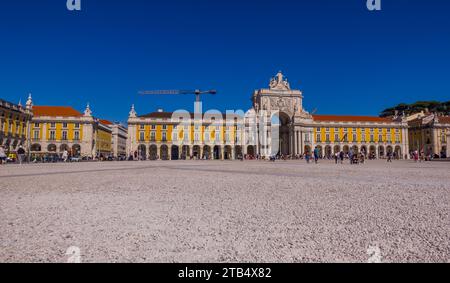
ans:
(226, 211)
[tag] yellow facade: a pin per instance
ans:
(103, 139)
(362, 135)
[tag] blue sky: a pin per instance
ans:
(346, 59)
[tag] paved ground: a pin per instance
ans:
(199, 211)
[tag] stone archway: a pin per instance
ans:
(76, 150)
(164, 152)
(51, 148)
(196, 151)
(346, 149)
(228, 152)
(175, 152)
(251, 151)
(207, 152)
(328, 151)
(153, 152)
(381, 152)
(398, 152)
(283, 121)
(36, 147)
(216, 152)
(372, 152)
(238, 152)
(185, 152)
(142, 152)
(337, 149)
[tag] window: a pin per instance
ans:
(52, 135)
(372, 138)
(380, 138)
(36, 125)
(153, 127)
(327, 137)
(196, 137)
(77, 125)
(397, 138)
(153, 136)
(318, 138)
(141, 136)
(65, 125)
(318, 129)
(327, 129)
(164, 136)
(336, 129)
(142, 127)
(336, 137)
(164, 127)
(36, 135)
(53, 125)
(354, 129)
(64, 135)
(76, 135)
(354, 137)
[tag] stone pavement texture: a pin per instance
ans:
(226, 211)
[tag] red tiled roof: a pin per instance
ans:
(444, 119)
(56, 111)
(336, 118)
(105, 122)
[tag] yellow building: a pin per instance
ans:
(428, 134)
(277, 124)
(14, 125)
(55, 129)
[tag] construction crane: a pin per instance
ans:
(196, 92)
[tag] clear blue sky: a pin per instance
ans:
(346, 59)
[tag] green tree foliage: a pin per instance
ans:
(431, 106)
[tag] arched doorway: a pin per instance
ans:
(228, 153)
(320, 149)
(36, 147)
(207, 152)
(76, 150)
(196, 151)
(328, 152)
(185, 152)
(251, 151)
(346, 149)
(63, 147)
(398, 152)
(238, 152)
(337, 149)
(372, 152)
(164, 152)
(142, 152)
(51, 148)
(389, 150)
(355, 150)
(381, 151)
(217, 154)
(175, 152)
(364, 150)
(283, 121)
(153, 150)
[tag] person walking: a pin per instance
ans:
(336, 157)
(342, 156)
(2, 155)
(316, 155)
(21, 154)
(389, 155)
(65, 155)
